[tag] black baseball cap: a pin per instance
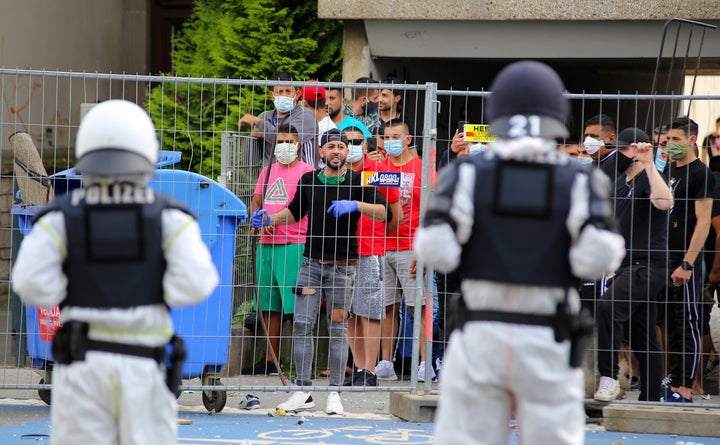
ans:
(332, 135)
(630, 136)
(527, 88)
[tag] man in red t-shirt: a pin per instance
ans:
(399, 256)
(368, 306)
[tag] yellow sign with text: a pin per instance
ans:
(478, 133)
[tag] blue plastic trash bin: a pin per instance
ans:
(205, 327)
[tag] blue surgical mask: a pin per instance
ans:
(394, 148)
(355, 153)
(584, 160)
(476, 148)
(284, 104)
(659, 163)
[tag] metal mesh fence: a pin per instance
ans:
(198, 119)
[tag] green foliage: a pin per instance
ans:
(237, 39)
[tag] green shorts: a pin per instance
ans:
(277, 268)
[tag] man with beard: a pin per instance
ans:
(333, 199)
(337, 113)
(363, 105)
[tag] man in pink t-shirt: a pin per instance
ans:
(399, 256)
(368, 306)
(281, 248)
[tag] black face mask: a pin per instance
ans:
(623, 162)
(370, 107)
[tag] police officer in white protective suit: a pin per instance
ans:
(114, 255)
(520, 222)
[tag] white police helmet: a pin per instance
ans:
(115, 138)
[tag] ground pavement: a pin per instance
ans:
(24, 421)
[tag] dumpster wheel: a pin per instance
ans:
(44, 393)
(214, 401)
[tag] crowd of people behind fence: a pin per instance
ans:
(337, 237)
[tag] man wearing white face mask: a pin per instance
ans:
(281, 248)
(287, 111)
(599, 138)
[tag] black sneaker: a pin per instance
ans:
(351, 380)
(364, 378)
(262, 367)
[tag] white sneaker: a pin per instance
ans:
(334, 405)
(421, 373)
(300, 400)
(385, 370)
(608, 390)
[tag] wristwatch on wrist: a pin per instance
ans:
(686, 266)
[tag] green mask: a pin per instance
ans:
(676, 151)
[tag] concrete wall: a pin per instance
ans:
(70, 35)
(518, 9)
(77, 35)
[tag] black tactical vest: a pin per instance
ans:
(115, 255)
(520, 234)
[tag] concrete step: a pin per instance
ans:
(665, 419)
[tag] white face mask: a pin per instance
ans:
(592, 145)
(286, 152)
(284, 104)
(355, 153)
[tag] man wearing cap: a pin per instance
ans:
(287, 111)
(518, 288)
(642, 202)
(333, 199)
(314, 99)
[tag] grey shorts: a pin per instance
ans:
(369, 298)
(399, 284)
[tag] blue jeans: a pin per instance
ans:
(335, 283)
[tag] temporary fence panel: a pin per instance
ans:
(199, 119)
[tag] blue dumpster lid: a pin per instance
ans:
(207, 200)
(66, 180)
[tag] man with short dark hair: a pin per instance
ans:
(692, 187)
(337, 114)
(363, 104)
(287, 110)
(599, 137)
(399, 256)
(390, 103)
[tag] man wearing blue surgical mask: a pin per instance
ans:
(289, 111)
(399, 256)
